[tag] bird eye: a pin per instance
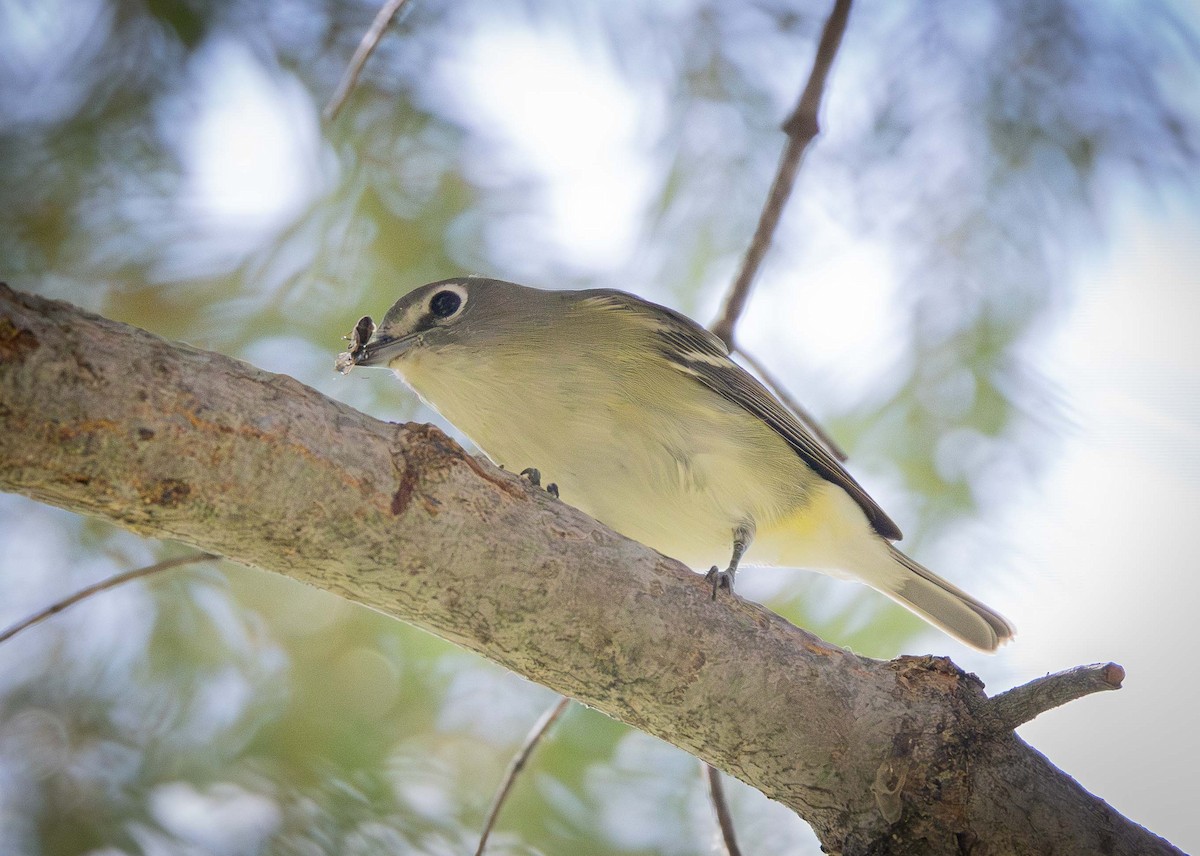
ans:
(445, 303)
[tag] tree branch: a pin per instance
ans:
(801, 127)
(174, 442)
(370, 41)
(1023, 703)
(721, 806)
(103, 585)
(532, 739)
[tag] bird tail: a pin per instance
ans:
(944, 604)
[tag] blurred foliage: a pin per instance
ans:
(231, 712)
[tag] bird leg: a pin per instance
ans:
(742, 536)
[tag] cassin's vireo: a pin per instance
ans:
(645, 423)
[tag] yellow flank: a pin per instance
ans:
(829, 534)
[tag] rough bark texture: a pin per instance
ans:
(173, 442)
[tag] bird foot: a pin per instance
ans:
(720, 580)
(535, 478)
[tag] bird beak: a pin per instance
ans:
(381, 350)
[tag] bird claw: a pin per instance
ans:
(535, 478)
(719, 580)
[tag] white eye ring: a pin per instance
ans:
(447, 301)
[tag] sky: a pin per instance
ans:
(1107, 548)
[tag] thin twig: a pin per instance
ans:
(517, 764)
(721, 805)
(1023, 703)
(369, 41)
(103, 585)
(801, 127)
(792, 404)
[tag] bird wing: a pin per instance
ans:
(699, 354)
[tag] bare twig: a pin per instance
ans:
(1023, 703)
(103, 585)
(724, 819)
(801, 127)
(792, 404)
(370, 40)
(518, 763)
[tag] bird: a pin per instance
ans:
(644, 422)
